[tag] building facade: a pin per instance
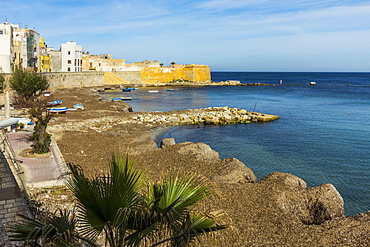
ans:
(44, 63)
(103, 62)
(71, 57)
(6, 48)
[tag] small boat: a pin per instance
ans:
(154, 91)
(47, 94)
(57, 110)
(121, 98)
(128, 89)
(312, 83)
(54, 103)
(78, 107)
(8, 122)
(126, 98)
(170, 89)
(116, 99)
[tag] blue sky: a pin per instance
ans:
(228, 35)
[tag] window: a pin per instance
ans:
(69, 69)
(69, 61)
(1, 32)
(69, 52)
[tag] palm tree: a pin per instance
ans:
(173, 199)
(58, 230)
(128, 213)
(104, 203)
(124, 210)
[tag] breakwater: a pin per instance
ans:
(211, 115)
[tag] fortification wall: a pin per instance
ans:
(131, 77)
(193, 73)
(74, 79)
(151, 75)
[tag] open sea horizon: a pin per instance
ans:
(322, 136)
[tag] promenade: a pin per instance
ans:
(18, 172)
(40, 170)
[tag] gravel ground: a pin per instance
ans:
(258, 212)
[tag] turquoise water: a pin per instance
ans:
(323, 135)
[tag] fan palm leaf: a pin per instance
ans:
(59, 230)
(100, 200)
(176, 193)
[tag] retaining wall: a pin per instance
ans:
(12, 201)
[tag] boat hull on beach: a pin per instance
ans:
(54, 103)
(57, 110)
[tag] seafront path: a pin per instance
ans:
(23, 173)
(40, 170)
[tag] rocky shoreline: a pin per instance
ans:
(278, 210)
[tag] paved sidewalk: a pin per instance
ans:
(43, 171)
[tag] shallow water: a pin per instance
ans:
(323, 135)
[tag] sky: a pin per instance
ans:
(227, 35)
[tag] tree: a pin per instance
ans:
(40, 138)
(28, 88)
(126, 212)
(57, 230)
(28, 85)
(118, 206)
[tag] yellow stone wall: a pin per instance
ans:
(110, 78)
(192, 73)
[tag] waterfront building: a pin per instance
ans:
(103, 62)
(55, 60)
(71, 57)
(6, 48)
(44, 65)
(27, 48)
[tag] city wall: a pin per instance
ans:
(152, 75)
(192, 73)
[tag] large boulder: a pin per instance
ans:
(198, 150)
(283, 179)
(311, 206)
(167, 142)
(324, 203)
(232, 170)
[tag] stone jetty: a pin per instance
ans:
(211, 115)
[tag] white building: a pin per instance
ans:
(6, 48)
(71, 54)
(20, 48)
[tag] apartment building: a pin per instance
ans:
(44, 61)
(6, 48)
(71, 57)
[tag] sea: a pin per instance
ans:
(322, 136)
